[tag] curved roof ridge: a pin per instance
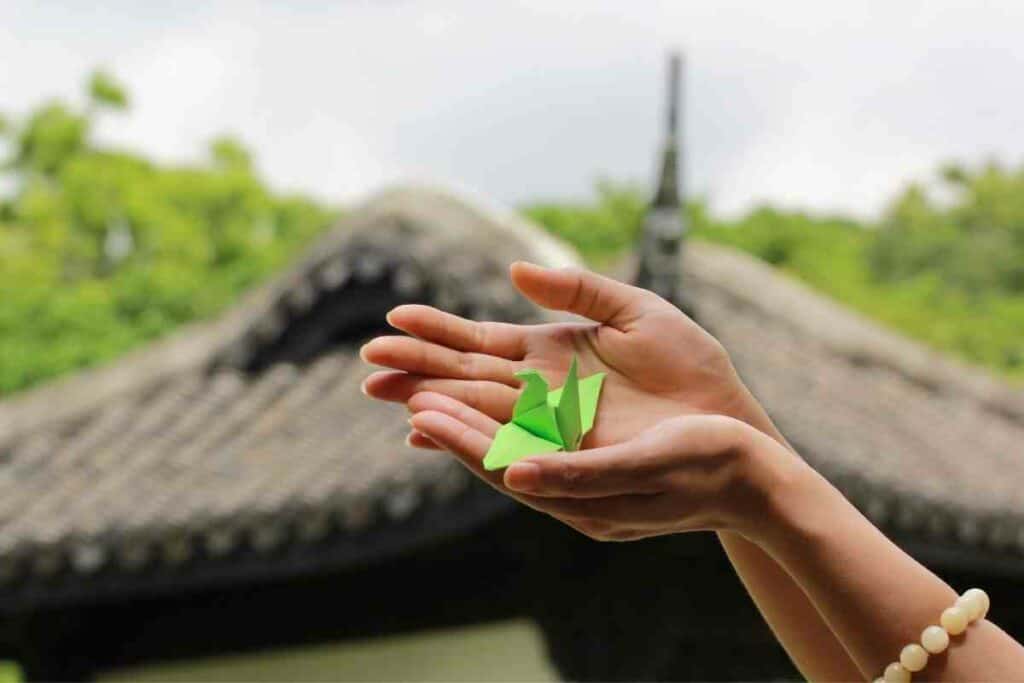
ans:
(845, 331)
(198, 344)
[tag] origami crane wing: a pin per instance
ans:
(590, 392)
(546, 421)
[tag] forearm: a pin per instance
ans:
(874, 597)
(803, 633)
(791, 615)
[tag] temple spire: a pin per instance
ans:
(668, 182)
(664, 229)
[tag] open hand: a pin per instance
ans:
(659, 363)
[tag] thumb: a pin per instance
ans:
(583, 292)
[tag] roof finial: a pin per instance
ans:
(664, 228)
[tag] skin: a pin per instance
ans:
(679, 445)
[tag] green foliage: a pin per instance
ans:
(102, 250)
(600, 231)
(229, 153)
(975, 244)
(10, 672)
(51, 135)
(104, 91)
(948, 274)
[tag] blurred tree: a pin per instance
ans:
(602, 230)
(51, 135)
(228, 153)
(946, 270)
(103, 249)
(971, 237)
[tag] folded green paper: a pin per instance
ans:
(546, 421)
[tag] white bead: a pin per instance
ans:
(895, 673)
(968, 605)
(954, 620)
(935, 639)
(976, 602)
(913, 657)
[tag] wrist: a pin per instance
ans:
(739, 403)
(800, 510)
(775, 490)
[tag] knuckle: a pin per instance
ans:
(578, 287)
(463, 438)
(571, 477)
(716, 349)
(480, 335)
(473, 394)
(466, 363)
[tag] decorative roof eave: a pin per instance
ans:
(294, 545)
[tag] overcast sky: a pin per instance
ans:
(828, 106)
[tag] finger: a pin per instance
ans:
(622, 469)
(418, 440)
(582, 292)
(429, 400)
(426, 358)
(466, 443)
(470, 446)
(490, 398)
(430, 324)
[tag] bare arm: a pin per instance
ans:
(474, 363)
(808, 640)
(713, 472)
(793, 618)
(874, 596)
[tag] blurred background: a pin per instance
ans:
(159, 161)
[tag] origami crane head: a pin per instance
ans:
(546, 421)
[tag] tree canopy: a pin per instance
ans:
(103, 249)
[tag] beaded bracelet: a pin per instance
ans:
(969, 607)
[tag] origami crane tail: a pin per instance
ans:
(513, 443)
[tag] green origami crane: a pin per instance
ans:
(546, 421)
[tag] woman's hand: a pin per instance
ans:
(682, 474)
(660, 364)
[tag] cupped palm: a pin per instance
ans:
(659, 363)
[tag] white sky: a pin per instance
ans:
(821, 105)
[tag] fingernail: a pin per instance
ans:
(408, 440)
(523, 476)
(362, 388)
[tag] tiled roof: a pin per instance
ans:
(247, 436)
(250, 433)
